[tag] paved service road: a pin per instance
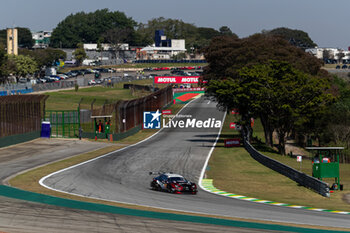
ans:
(123, 176)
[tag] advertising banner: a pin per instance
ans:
(175, 79)
(166, 112)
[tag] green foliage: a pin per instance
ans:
(79, 54)
(88, 27)
(25, 38)
(179, 56)
(295, 37)
(224, 30)
(228, 54)
(280, 95)
(197, 37)
(3, 62)
(44, 57)
(76, 87)
(21, 66)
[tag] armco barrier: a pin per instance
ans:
(299, 177)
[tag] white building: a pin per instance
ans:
(105, 47)
(153, 52)
(42, 39)
(333, 53)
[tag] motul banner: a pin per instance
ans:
(176, 79)
(166, 112)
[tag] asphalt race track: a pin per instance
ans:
(122, 176)
(18, 216)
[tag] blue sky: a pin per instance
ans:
(324, 20)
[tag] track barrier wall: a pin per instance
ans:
(18, 138)
(299, 177)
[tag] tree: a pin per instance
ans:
(116, 37)
(281, 96)
(326, 54)
(196, 37)
(340, 56)
(44, 57)
(295, 37)
(226, 55)
(3, 62)
(225, 31)
(88, 27)
(25, 38)
(21, 66)
(79, 54)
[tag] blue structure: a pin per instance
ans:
(158, 39)
(16, 92)
(45, 129)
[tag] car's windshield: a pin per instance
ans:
(177, 179)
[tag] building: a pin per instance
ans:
(106, 47)
(12, 41)
(330, 55)
(42, 39)
(163, 48)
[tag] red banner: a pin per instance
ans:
(176, 79)
(166, 112)
(232, 125)
(234, 142)
(234, 111)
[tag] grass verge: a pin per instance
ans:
(233, 170)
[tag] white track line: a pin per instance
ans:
(209, 155)
(42, 180)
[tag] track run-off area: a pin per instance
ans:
(123, 176)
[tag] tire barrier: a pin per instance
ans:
(299, 177)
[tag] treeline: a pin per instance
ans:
(103, 26)
(264, 76)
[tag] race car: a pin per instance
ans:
(173, 183)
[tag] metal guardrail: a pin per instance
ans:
(299, 177)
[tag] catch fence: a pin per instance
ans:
(127, 115)
(20, 114)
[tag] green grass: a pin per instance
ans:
(69, 99)
(233, 170)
